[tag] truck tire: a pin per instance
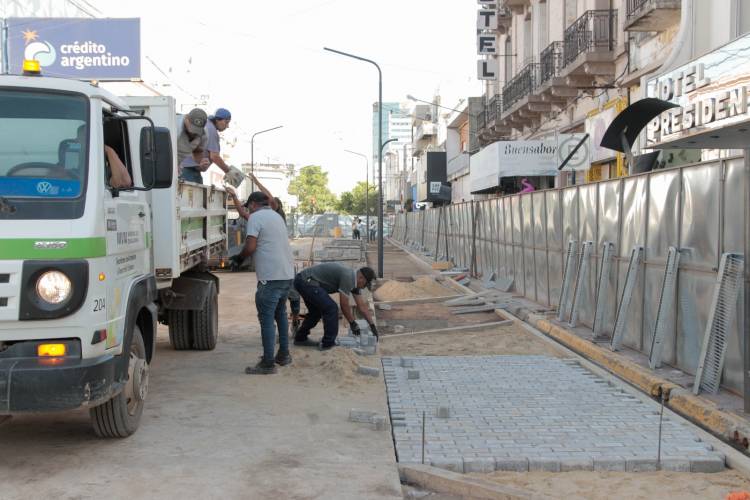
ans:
(119, 417)
(180, 334)
(206, 321)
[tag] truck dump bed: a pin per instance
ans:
(203, 223)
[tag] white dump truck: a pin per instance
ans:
(87, 270)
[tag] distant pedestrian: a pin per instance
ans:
(355, 229)
(373, 230)
(315, 284)
(267, 240)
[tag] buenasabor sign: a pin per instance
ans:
(84, 49)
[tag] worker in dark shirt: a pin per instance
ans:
(315, 284)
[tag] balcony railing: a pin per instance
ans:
(494, 108)
(635, 5)
(550, 62)
(594, 30)
(521, 85)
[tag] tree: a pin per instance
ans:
(311, 188)
(353, 202)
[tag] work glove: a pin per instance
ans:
(374, 330)
(236, 261)
(355, 328)
(234, 177)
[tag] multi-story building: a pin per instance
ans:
(396, 155)
(553, 68)
(274, 176)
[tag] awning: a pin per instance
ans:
(632, 120)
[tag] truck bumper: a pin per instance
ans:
(34, 385)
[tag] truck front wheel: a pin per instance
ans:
(119, 417)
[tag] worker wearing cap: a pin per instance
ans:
(191, 145)
(267, 241)
(218, 122)
(315, 284)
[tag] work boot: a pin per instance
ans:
(283, 358)
(305, 342)
(324, 347)
(262, 368)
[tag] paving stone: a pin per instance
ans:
(609, 464)
(573, 464)
(707, 464)
(361, 416)
(451, 464)
(641, 465)
(676, 464)
(367, 370)
(479, 464)
(512, 464)
(544, 465)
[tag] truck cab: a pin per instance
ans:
(81, 283)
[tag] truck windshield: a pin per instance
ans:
(43, 137)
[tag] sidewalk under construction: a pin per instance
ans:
(310, 431)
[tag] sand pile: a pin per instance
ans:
(422, 287)
(338, 367)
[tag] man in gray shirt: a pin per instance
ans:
(267, 240)
(192, 141)
(315, 284)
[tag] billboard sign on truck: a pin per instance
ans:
(83, 49)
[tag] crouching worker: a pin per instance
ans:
(267, 241)
(315, 284)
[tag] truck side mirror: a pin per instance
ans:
(157, 169)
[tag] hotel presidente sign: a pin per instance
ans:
(711, 92)
(487, 68)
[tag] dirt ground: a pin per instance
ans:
(631, 486)
(210, 431)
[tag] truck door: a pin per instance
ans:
(128, 222)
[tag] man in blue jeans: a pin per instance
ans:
(267, 240)
(315, 284)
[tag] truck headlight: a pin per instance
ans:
(54, 287)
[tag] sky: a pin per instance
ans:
(264, 61)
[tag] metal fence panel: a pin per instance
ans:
(633, 232)
(540, 247)
(527, 220)
(570, 214)
(588, 232)
(609, 204)
(554, 245)
(734, 189)
(662, 232)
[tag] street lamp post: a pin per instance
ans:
(367, 191)
(380, 156)
(252, 150)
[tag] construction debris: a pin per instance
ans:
(442, 265)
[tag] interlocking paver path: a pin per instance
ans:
(529, 413)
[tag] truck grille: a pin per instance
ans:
(3, 301)
(4, 278)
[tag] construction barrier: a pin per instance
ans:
(695, 210)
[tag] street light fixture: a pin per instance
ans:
(380, 155)
(252, 150)
(367, 191)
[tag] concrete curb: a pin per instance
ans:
(453, 483)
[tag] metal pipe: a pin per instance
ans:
(367, 192)
(380, 154)
(252, 151)
(5, 68)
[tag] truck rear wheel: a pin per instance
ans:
(119, 417)
(206, 321)
(180, 334)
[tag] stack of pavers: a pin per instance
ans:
(530, 413)
(339, 249)
(365, 344)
